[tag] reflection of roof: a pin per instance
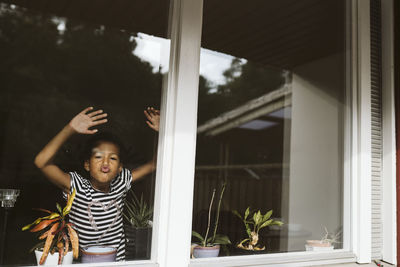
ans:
(257, 107)
(150, 17)
(284, 33)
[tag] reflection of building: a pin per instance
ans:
(342, 117)
(297, 128)
(258, 181)
(250, 115)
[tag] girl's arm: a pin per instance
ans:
(153, 121)
(79, 124)
(143, 170)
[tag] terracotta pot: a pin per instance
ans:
(318, 243)
(52, 259)
(206, 252)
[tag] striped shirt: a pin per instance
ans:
(97, 216)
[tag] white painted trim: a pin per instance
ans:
(347, 133)
(361, 145)
(119, 264)
(278, 259)
(177, 140)
(160, 214)
(389, 135)
(353, 162)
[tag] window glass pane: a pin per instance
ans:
(271, 126)
(56, 59)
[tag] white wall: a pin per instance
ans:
(314, 186)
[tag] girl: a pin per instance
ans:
(97, 209)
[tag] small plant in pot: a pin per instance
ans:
(62, 243)
(327, 242)
(209, 246)
(254, 222)
(138, 227)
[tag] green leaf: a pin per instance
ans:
(266, 223)
(197, 235)
(267, 215)
(59, 208)
(137, 211)
(277, 223)
(248, 230)
(246, 213)
(257, 217)
(222, 240)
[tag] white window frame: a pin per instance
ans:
(389, 244)
(361, 134)
(173, 245)
(177, 147)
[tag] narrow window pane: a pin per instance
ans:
(56, 59)
(271, 126)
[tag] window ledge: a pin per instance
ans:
(144, 263)
(291, 259)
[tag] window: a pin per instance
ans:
(283, 117)
(56, 59)
(271, 123)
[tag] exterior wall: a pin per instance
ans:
(315, 194)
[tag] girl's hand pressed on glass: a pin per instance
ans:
(153, 116)
(84, 120)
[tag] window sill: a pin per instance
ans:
(120, 264)
(291, 259)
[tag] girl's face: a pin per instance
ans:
(104, 165)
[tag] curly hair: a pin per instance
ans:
(103, 137)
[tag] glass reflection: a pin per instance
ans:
(56, 60)
(271, 125)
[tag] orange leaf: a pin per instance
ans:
(43, 224)
(74, 241)
(47, 245)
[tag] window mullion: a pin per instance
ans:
(177, 142)
(361, 182)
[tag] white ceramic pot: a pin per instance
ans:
(52, 259)
(92, 254)
(205, 252)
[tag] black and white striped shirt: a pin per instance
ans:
(97, 216)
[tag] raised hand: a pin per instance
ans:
(86, 119)
(153, 116)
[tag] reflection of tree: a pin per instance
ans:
(244, 81)
(46, 77)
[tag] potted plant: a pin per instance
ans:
(325, 243)
(58, 233)
(138, 227)
(209, 246)
(254, 222)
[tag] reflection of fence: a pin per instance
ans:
(240, 166)
(258, 186)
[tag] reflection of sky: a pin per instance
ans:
(212, 64)
(257, 125)
(283, 113)
(155, 50)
